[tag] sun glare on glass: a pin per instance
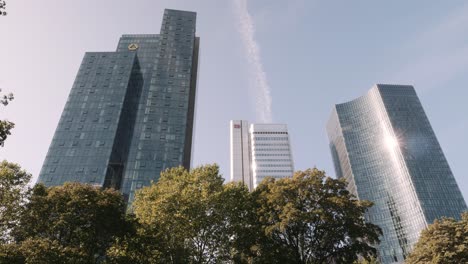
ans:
(391, 142)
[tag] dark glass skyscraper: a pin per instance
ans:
(384, 145)
(130, 113)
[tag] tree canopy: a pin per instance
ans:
(196, 218)
(192, 217)
(189, 217)
(5, 125)
(13, 190)
(311, 218)
(73, 223)
(444, 241)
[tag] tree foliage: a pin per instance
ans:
(140, 247)
(444, 241)
(73, 223)
(311, 218)
(194, 217)
(189, 217)
(5, 125)
(41, 250)
(13, 190)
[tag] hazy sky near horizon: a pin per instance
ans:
(284, 61)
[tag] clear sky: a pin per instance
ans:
(285, 61)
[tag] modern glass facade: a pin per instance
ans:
(162, 136)
(139, 102)
(262, 150)
(384, 145)
(95, 119)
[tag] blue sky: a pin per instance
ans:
(298, 57)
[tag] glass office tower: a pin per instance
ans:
(130, 113)
(384, 146)
(259, 151)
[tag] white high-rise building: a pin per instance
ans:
(259, 151)
(240, 152)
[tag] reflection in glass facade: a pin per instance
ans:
(130, 113)
(384, 145)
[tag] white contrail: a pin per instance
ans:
(247, 32)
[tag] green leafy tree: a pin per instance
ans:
(45, 250)
(73, 223)
(195, 218)
(140, 247)
(190, 217)
(13, 190)
(5, 125)
(311, 218)
(11, 254)
(371, 260)
(444, 241)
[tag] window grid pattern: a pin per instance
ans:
(383, 144)
(271, 152)
(83, 144)
(130, 113)
(164, 122)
